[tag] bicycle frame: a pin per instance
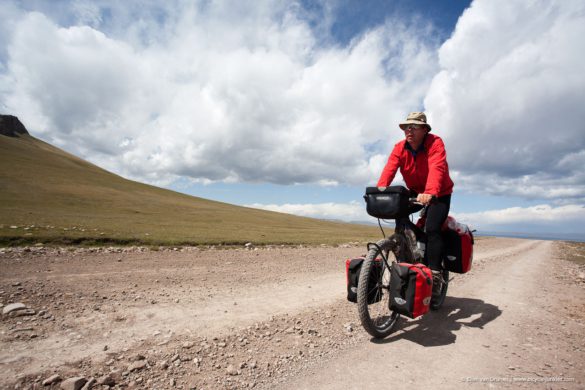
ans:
(403, 250)
(412, 233)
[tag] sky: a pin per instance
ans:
(293, 106)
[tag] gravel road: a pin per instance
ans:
(213, 318)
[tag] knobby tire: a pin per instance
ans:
(436, 305)
(376, 318)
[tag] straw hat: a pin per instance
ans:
(415, 118)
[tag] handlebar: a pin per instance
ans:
(413, 201)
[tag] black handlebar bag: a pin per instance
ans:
(387, 202)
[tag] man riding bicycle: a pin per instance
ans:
(422, 160)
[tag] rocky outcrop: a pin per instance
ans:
(10, 126)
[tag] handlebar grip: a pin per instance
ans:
(414, 202)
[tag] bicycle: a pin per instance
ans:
(406, 245)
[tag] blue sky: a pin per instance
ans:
(352, 18)
(293, 106)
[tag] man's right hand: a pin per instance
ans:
(424, 198)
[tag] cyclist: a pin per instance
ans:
(422, 160)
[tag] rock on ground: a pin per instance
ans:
(13, 307)
(52, 379)
(73, 383)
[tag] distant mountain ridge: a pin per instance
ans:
(50, 196)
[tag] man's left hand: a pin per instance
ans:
(424, 198)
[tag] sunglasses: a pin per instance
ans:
(413, 127)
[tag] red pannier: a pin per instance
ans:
(458, 241)
(411, 287)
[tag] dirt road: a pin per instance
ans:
(267, 317)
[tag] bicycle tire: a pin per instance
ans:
(436, 305)
(376, 318)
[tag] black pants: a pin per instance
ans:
(437, 213)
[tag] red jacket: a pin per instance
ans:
(428, 173)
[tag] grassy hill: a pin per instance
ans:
(50, 196)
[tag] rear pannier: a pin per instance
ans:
(352, 273)
(458, 240)
(387, 202)
(411, 287)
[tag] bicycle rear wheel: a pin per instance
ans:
(373, 296)
(436, 304)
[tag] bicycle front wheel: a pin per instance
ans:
(373, 295)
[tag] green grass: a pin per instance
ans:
(572, 251)
(50, 196)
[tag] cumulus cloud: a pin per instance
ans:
(259, 92)
(540, 213)
(215, 91)
(352, 211)
(541, 217)
(509, 99)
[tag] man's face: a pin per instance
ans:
(415, 134)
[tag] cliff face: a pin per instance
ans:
(10, 126)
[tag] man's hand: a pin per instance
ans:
(424, 198)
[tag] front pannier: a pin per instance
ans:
(352, 273)
(387, 202)
(411, 287)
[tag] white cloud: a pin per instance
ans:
(539, 213)
(352, 211)
(257, 92)
(540, 217)
(552, 187)
(509, 99)
(565, 219)
(215, 91)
